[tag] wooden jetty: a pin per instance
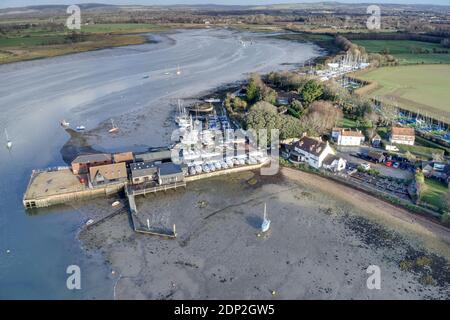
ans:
(133, 191)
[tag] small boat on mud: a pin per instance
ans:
(89, 222)
(114, 128)
(80, 128)
(115, 203)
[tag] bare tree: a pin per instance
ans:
(321, 117)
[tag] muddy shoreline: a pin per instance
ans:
(319, 246)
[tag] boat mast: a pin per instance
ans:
(265, 213)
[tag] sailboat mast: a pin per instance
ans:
(265, 205)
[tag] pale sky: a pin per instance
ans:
(21, 3)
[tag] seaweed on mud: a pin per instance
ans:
(372, 234)
(429, 268)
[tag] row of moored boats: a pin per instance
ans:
(197, 168)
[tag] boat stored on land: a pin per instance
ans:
(265, 226)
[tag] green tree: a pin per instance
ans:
(296, 105)
(311, 92)
(239, 105)
(252, 93)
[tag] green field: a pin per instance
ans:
(41, 36)
(43, 41)
(423, 88)
(122, 28)
(406, 51)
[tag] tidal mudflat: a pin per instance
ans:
(319, 246)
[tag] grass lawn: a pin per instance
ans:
(434, 194)
(423, 88)
(384, 132)
(426, 143)
(420, 151)
(349, 123)
(406, 51)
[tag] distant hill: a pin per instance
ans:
(326, 7)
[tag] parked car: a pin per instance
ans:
(396, 165)
(388, 163)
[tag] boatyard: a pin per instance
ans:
(205, 148)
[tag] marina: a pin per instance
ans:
(205, 149)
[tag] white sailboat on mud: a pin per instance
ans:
(265, 226)
(8, 141)
(114, 128)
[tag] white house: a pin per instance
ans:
(311, 151)
(347, 137)
(400, 135)
(334, 163)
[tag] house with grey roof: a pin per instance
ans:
(142, 172)
(170, 173)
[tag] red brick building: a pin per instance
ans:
(82, 163)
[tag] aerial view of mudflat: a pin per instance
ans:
(135, 164)
(322, 240)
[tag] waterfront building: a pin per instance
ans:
(163, 155)
(170, 173)
(126, 157)
(81, 164)
(311, 151)
(109, 173)
(142, 172)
